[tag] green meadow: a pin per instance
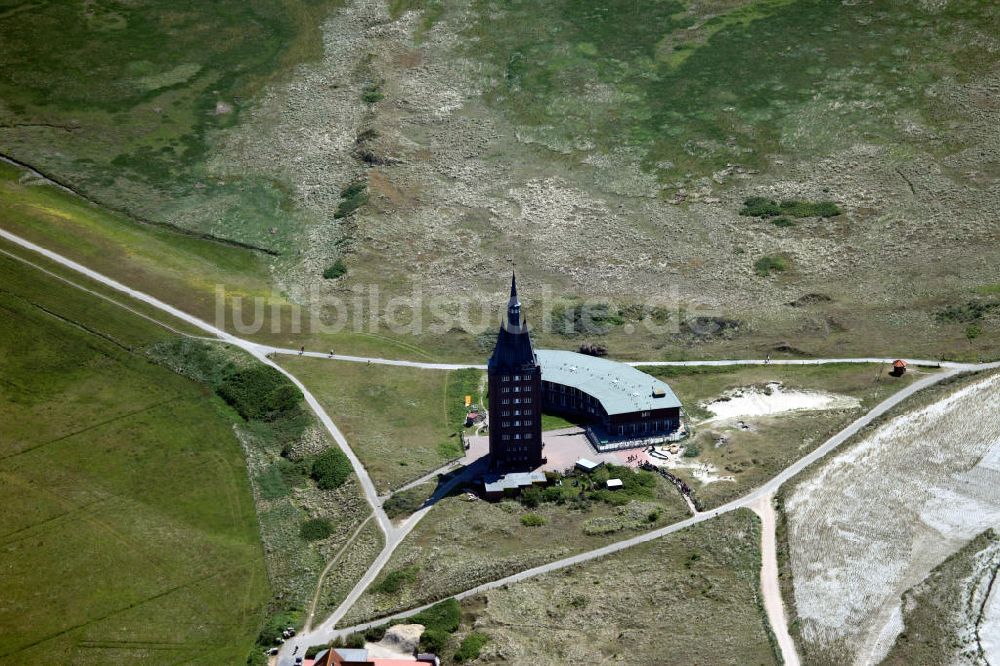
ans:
(128, 533)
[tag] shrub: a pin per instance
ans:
(782, 222)
(531, 497)
(966, 313)
(692, 451)
(375, 634)
(433, 641)
(973, 331)
(770, 264)
(471, 646)
(442, 616)
(809, 208)
(337, 269)
(355, 641)
(760, 207)
(315, 529)
(352, 197)
(404, 503)
(331, 468)
(532, 520)
(764, 207)
(260, 393)
(395, 580)
(372, 94)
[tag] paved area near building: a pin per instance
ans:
(563, 448)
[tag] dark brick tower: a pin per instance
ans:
(515, 384)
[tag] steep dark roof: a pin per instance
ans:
(514, 349)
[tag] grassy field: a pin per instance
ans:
(402, 422)
(687, 598)
(125, 110)
(112, 464)
(463, 543)
(695, 86)
(772, 443)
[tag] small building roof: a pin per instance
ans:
(899, 363)
(588, 464)
(352, 654)
(496, 483)
(615, 483)
(619, 387)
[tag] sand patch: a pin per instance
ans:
(773, 398)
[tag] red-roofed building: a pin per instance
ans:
(898, 368)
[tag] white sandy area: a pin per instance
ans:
(704, 472)
(774, 399)
(990, 630)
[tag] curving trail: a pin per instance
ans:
(395, 534)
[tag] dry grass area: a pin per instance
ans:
(755, 448)
(689, 598)
(463, 543)
(399, 421)
(872, 522)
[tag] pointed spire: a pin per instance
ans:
(514, 304)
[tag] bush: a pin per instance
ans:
(315, 529)
(760, 207)
(809, 208)
(433, 641)
(404, 503)
(372, 94)
(336, 270)
(782, 222)
(395, 580)
(442, 616)
(331, 468)
(375, 634)
(764, 207)
(353, 197)
(260, 393)
(531, 497)
(471, 646)
(692, 451)
(770, 264)
(355, 641)
(532, 520)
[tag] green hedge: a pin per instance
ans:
(260, 393)
(471, 646)
(331, 468)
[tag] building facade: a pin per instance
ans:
(515, 395)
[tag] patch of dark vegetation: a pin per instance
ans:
(394, 581)
(471, 646)
(579, 487)
(785, 348)
(315, 529)
(331, 468)
(593, 349)
(966, 313)
(710, 327)
(585, 319)
(352, 197)
(782, 222)
(372, 93)
(404, 502)
(335, 270)
(260, 393)
(770, 264)
(809, 299)
(764, 207)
